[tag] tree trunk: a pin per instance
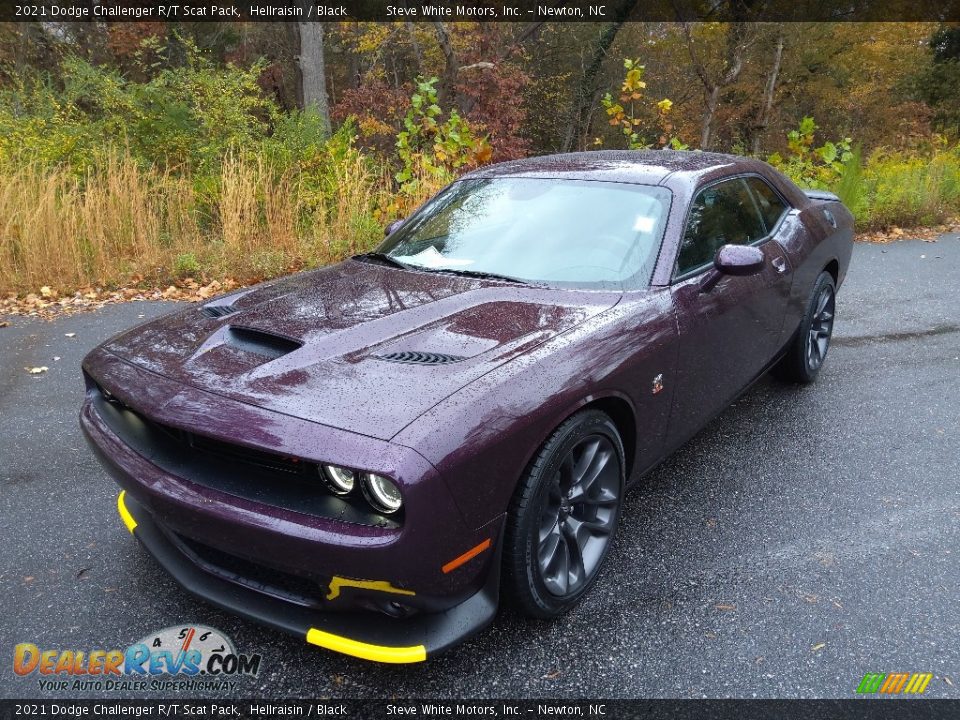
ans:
(706, 130)
(313, 77)
(713, 87)
(588, 88)
(451, 65)
(417, 51)
(763, 117)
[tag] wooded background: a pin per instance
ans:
(182, 135)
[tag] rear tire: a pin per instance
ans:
(808, 349)
(563, 516)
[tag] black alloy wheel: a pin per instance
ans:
(821, 327)
(578, 517)
(564, 515)
(807, 350)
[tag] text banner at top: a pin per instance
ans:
(520, 11)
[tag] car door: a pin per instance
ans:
(728, 331)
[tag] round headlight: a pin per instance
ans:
(382, 493)
(339, 479)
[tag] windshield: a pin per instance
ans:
(559, 232)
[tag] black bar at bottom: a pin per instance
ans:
(854, 709)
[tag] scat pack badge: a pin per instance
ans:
(183, 653)
(657, 386)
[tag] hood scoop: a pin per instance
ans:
(420, 358)
(260, 343)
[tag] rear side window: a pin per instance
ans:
(772, 207)
(722, 214)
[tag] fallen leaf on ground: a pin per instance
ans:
(948, 681)
(37, 370)
(4, 324)
(28, 578)
(551, 675)
(725, 606)
(818, 647)
(82, 572)
(47, 292)
(69, 334)
(927, 234)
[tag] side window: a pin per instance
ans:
(771, 206)
(721, 214)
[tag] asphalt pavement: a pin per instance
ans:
(805, 537)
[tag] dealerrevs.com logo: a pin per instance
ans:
(191, 657)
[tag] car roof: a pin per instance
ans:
(647, 167)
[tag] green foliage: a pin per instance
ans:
(899, 190)
(189, 116)
(430, 146)
(623, 114)
(185, 265)
(626, 113)
(808, 166)
(889, 189)
(850, 187)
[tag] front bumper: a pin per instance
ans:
(290, 561)
(389, 641)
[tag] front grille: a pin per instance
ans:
(421, 358)
(261, 476)
(259, 458)
(223, 450)
(280, 584)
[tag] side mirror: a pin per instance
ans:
(389, 229)
(736, 260)
(739, 260)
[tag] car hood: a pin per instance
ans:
(356, 346)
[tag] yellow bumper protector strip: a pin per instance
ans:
(338, 582)
(124, 513)
(366, 651)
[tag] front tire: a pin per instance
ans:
(808, 349)
(564, 515)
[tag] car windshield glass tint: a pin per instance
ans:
(559, 232)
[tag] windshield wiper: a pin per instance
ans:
(393, 262)
(476, 274)
(382, 258)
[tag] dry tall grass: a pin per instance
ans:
(124, 222)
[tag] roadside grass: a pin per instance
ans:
(122, 222)
(903, 191)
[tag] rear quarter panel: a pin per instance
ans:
(812, 244)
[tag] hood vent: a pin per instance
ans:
(218, 311)
(261, 343)
(421, 358)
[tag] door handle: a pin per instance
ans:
(779, 264)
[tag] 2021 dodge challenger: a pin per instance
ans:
(371, 455)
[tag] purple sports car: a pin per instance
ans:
(371, 455)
